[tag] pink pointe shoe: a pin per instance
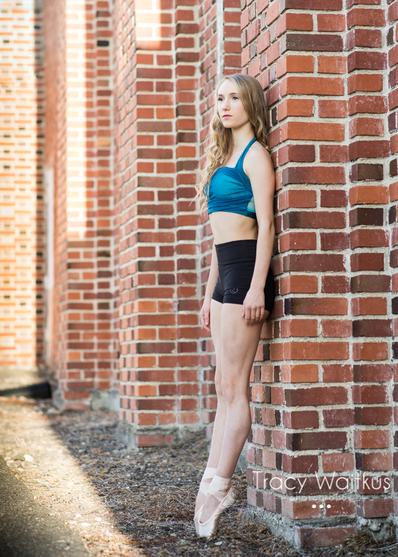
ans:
(219, 488)
(208, 475)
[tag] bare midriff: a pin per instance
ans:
(228, 227)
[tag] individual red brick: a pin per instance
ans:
(336, 328)
(301, 419)
(372, 327)
(338, 462)
(331, 22)
(336, 373)
(268, 458)
(309, 537)
(376, 461)
(367, 261)
(334, 283)
(299, 464)
(155, 404)
(331, 64)
(333, 5)
(366, 60)
(338, 417)
(313, 132)
(313, 41)
(372, 415)
(373, 508)
(369, 394)
(304, 85)
(296, 63)
(339, 507)
(372, 484)
(299, 327)
(365, 17)
(300, 509)
(279, 439)
(299, 373)
(315, 396)
(371, 439)
(370, 351)
(320, 440)
(369, 149)
(371, 305)
(295, 219)
(365, 104)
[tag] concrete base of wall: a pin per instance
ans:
(96, 400)
(57, 397)
(105, 400)
(313, 534)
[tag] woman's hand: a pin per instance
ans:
(254, 305)
(205, 314)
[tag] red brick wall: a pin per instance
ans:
(326, 405)
(22, 256)
(126, 131)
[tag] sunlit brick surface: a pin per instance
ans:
(21, 185)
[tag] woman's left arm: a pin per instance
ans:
(260, 170)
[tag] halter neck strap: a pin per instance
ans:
(242, 156)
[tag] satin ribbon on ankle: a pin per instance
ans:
(218, 483)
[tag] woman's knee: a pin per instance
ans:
(231, 391)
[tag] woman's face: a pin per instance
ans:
(229, 105)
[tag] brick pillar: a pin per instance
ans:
(145, 213)
(78, 160)
(327, 407)
(187, 98)
(369, 149)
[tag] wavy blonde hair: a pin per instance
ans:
(221, 144)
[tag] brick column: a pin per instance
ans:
(78, 156)
(324, 408)
(187, 99)
(369, 147)
(145, 213)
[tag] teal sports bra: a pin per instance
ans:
(229, 189)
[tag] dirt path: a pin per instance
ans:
(80, 484)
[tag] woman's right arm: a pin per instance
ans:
(213, 274)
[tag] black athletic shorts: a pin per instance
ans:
(236, 262)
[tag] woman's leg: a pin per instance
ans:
(239, 342)
(218, 426)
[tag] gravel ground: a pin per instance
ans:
(128, 503)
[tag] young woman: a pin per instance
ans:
(238, 186)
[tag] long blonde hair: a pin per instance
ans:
(221, 144)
